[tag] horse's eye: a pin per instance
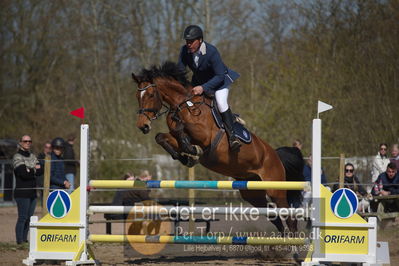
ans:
(151, 95)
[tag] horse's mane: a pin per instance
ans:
(167, 70)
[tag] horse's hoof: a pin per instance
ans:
(191, 162)
(188, 161)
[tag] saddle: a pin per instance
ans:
(240, 131)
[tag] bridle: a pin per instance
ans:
(157, 113)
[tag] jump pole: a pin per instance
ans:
(167, 211)
(182, 184)
(198, 240)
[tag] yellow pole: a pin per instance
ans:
(191, 199)
(341, 170)
(46, 182)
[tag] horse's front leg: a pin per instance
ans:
(171, 145)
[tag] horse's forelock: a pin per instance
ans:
(145, 75)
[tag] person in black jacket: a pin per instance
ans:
(57, 171)
(387, 184)
(70, 163)
(131, 197)
(352, 182)
(26, 169)
(124, 197)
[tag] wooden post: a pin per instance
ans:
(46, 183)
(341, 170)
(191, 199)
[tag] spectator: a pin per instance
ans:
(389, 181)
(57, 172)
(297, 143)
(386, 184)
(26, 169)
(130, 197)
(307, 172)
(69, 162)
(380, 162)
(145, 176)
(46, 151)
(142, 196)
(352, 182)
(41, 157)
(395, 155)
(133, 196)
(118, 200)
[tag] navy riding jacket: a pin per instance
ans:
(211, 73)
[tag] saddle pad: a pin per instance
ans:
(239, 130)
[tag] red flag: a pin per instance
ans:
(79, 112)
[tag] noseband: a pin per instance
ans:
(156, 112)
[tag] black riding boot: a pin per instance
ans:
(228, 121)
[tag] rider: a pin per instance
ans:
(210, 75)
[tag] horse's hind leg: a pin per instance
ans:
(258, 199)
(170, 144)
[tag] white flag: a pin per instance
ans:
(321, 107)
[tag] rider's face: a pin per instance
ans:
(193, 45)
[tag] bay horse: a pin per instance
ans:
(192, 134)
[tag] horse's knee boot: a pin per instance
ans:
(159, 139)
(164, 143)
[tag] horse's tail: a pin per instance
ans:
(293, 162)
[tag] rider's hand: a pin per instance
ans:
(197, 90)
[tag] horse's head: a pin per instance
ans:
(150, 103)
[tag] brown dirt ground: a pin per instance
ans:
(117, 254)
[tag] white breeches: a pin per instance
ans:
(221, 99)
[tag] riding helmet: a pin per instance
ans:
(192, 32)
(58, 142)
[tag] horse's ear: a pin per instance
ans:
(135, 78)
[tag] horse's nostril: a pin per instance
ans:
(145, 129)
